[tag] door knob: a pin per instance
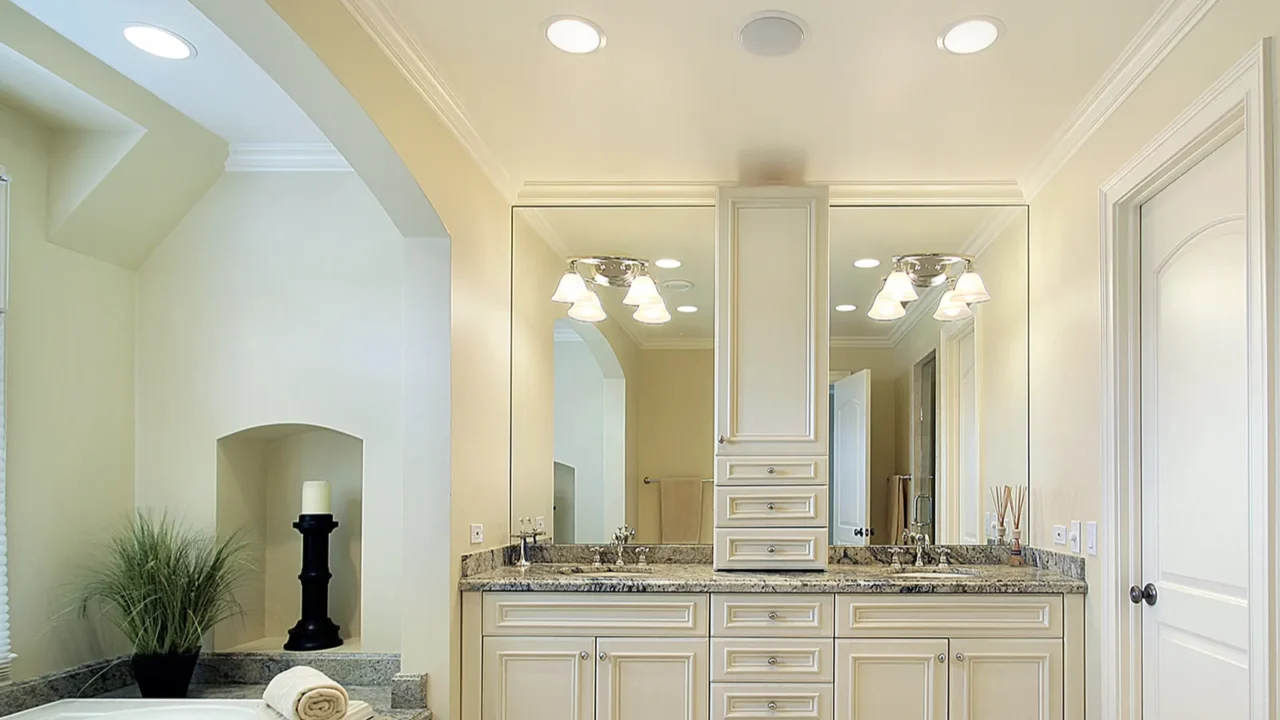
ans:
(1146, 593)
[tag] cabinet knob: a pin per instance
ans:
(771, 549)
(771, 470)
(720, 439)
(602, 655)
(771, 506)
(772, 705)
(773, 660)
(584, 654)
(773, 615)
(942, 657)
(959, 657)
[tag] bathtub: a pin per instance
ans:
(151, 710)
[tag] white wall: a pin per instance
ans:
(69, 403)
(280, 298)
(580, 434)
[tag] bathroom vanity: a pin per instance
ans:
(684, 642)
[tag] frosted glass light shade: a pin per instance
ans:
(885, 308)
(571, 289)
(643, 291)
(899, 288)
(951, 308)
(652, 314)
(971, 289)
(588, 308)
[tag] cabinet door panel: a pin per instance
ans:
(538, 679)
(899, 679)
(652, 679)
(1001, 679)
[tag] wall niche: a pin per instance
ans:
(260, 475)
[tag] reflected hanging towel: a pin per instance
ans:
(681, 509)
(304, 693)
(899, 492)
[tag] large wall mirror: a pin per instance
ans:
(613, 314)
(929, 390)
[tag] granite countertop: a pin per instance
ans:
(839, 578)
(379, 698)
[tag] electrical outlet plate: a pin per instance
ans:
(1059, 534)
(1091, 537)
(540, 522)
(477, 534)
(1073, 536)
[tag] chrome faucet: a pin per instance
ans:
(919, 539)
(621, 537)
(528, 536)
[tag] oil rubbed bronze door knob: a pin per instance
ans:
(1147, 594)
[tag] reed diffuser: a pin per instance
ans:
(1017, 502)
(1000, 498)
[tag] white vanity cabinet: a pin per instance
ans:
(771, 374)
(764, 656)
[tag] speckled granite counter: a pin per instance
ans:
(379, 698)
(839, 578)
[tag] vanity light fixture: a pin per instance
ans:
(926, 270)
(846, 308)
(578, 288)
(159, 42)
(866, 263)
(970, 35)
(574, 35)
(667, 263)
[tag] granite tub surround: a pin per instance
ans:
(839, 578)
(85, 681)
(378, 697)
(354, 669)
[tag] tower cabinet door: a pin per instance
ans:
(771, 321)
(652, 679)
(538, 678)
(899, 679)
(1000, 679)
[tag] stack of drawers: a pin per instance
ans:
(771, 513)
(772, 656)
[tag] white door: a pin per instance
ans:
(538, 679)
(1006, 679)
(653, 679)
(898, 679)
(851, 459)
(1196, 454)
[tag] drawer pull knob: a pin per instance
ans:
(942, 657)
(772, 705)
(771, 470)
(602, 655)
(720, 439)
(771, 549)
(959, 657)
(773, 615)
(771, 506)
(584, 654)
(773, 660)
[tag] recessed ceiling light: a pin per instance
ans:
(159, 42)
(667, 263)
(677, 285)
(846, 308)
(687, 309)
(866, 263)
(773, 33)
(574, 35)
(970, 35)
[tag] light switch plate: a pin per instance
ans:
(477, 534)
(1073, 536)
(540, 522)
(1091, 537)
(1059, 534)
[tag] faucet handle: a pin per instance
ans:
(624, 534)
(944, 557)
(897, 559)
(596, 552)
(642, 556)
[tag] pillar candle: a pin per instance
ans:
(315, 497)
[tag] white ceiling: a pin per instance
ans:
(674, 98)
(220, 88)
(688, 235)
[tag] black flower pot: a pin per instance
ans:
(164, 676)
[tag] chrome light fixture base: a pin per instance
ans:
(609, 270)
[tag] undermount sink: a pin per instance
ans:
(932, 574)
(613, 570)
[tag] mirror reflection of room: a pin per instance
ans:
(612, 373)
(928, 370)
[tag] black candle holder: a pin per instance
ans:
(314, 631)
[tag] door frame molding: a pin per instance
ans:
(946, 474)
(1239, 102)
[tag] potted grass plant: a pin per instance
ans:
(165, 586)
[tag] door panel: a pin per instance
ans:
(898, 679)
(538, 679)
(1005, 679)
(652, 679)
(851, 459)
(1196, 453)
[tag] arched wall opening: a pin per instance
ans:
(259, 487)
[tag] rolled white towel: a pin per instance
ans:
(304, 693)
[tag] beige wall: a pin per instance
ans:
(1066, 325)
(69, 415)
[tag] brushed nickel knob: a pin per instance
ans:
(773, 660)
(602, 655)
(942, 657)
(773, 615)
(959, 657)
(720, 439)
(771, 549)
(584, 654)
(771, 506)
(771, 470)
(772, 705)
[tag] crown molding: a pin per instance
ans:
(989, 230)
(376, 19)
(861, 342)
(538, 193)
(546, 193)
(1157, 38)
(285, 157)
(924, 192)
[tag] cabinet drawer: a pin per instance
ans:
(945, 615)
(771, 549)
(772, 506)
(771, 471)
(772, 615)
(621, 615)
(772, 660)
(770, 701)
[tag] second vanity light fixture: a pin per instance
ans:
(578, 288)
(926, 270)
